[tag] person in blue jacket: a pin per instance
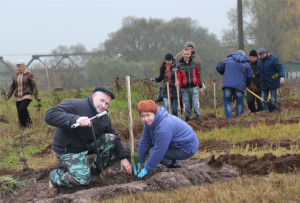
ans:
(271, 75)
(165, 137)
(167, 74)
(237, 76)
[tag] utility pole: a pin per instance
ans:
(240, 24)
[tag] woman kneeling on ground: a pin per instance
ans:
(165, 137)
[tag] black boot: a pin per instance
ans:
(174, 164)
(251, 106)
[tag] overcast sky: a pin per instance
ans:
(39, 26)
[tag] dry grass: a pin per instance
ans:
(271, 188)
(236, 134)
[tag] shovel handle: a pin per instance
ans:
(256, 95)
(97, 116)
(75, 125)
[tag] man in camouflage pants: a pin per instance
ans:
(72, 146)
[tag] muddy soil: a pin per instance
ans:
(222, 145)
(251, 165)
(3, 119)
(193, 172)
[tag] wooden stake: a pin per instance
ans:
(215, 103)
(168, 93)
(178, 97)
(130, 120)
(47, 75)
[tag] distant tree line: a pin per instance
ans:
(140, 44)
(135, 49)
(272, 24)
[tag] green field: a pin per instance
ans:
(19, 147)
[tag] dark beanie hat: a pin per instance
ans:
(253, 53)
(147, 106)
(168, 56)
(105, 90)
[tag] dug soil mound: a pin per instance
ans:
(193, 172)
(3, 119)
(209, 121)
(222, 145)
(252, 165)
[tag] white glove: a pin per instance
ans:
(281, 80)
(203, 86)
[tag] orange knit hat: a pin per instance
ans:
(147, 106)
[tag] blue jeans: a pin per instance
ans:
(265, 94)
(228, 94)
(190, 96)
(174, 106)
(173, 154)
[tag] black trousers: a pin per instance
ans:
(23, 114)
(251, 99)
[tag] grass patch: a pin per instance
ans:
(270, 188)
(9, 185)
(236, 134)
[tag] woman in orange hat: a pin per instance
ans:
(165, 137)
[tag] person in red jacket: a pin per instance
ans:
(189, 80)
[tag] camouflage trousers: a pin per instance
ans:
(78, 171)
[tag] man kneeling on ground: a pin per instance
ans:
(72, 146)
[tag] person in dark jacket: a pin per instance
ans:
(167, 74)
(165, 137)
(189, 80)
(72, 146)
(271, 75)
(255, 85)
(237, 76)
(24, 86)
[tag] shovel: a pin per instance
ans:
(94, 137)
(270, 105)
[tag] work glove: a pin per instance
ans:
(275, 76)
(281, 80)
(142, 173)
(136, 169)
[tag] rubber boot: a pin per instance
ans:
(251, 106)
